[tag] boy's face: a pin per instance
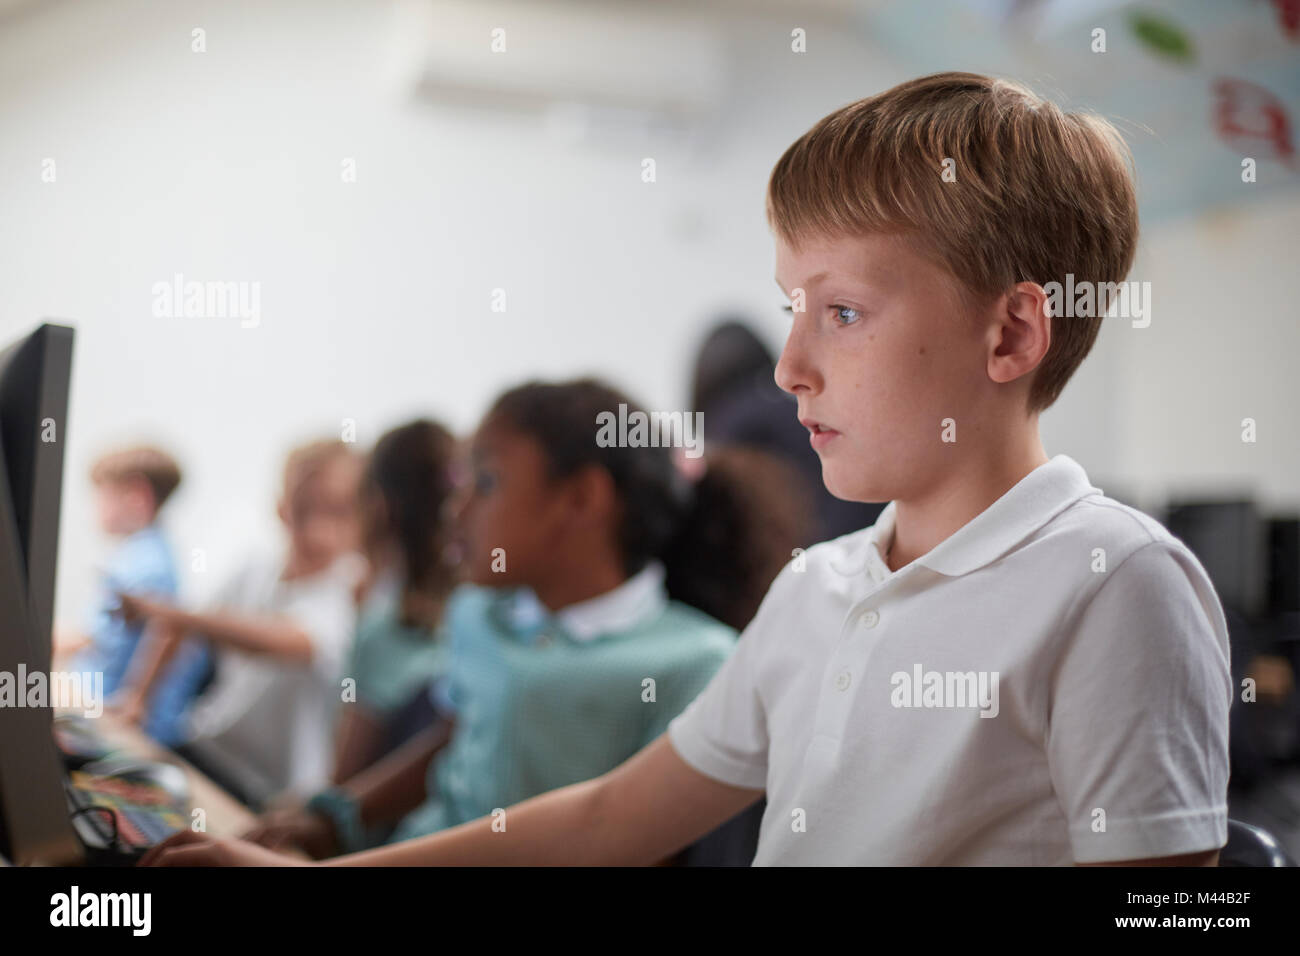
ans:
(322, 516)
(125, 506)
(883, 353)
(507, 503)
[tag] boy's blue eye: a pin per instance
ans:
(484, 482)
(849, 319)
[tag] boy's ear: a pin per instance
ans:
(282, 509)
(1022, 334)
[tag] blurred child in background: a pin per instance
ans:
(131, 487)
(396, 652)
(280, 628)
(572, 647)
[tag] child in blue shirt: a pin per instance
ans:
(131, 486)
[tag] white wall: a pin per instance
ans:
(1222, 347)
(375, 295)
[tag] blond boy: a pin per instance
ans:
(1008, 667)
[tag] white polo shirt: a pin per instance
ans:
(1048, 685)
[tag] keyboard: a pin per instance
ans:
(146, 813)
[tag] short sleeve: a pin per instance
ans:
(723, 733)
(1137, 738)
(144, 567)
(141, 566)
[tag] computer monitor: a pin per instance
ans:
(34, 378)
(1284, 565)
(1228, 538)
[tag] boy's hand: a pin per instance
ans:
(188, 848)
(136, 607)
(295, 827)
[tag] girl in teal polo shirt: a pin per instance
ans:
(604, 590)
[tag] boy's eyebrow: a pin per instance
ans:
(811, 279)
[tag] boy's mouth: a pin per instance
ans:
(819, 435)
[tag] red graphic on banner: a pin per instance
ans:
(1288, 15)
(1248, 116)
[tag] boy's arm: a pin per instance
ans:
(258, 634)
(382, 793)
(272, 636)
(276, 637)
(357, 738)
(157, 647)
(642, 811)
(393, 787)
(648, 808)
(1137, 722)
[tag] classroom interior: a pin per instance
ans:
(272, 223)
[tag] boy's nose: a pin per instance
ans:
(794, 371)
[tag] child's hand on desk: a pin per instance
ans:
(188, 848)
(295, 827)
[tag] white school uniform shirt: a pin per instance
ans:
(1109, 740)
(272, 718)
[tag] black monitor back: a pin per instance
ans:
(34, 380)
(1228, 537)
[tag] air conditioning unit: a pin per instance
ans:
(573, 63)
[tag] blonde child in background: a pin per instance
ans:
(280, 628)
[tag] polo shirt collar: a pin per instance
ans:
(1024, 508)
(638, 599)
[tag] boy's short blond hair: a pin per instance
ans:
(153, 465)
(1039, 193)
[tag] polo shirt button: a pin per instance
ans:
(869, 618)
(842, 680)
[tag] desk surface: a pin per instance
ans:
(225, 816)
